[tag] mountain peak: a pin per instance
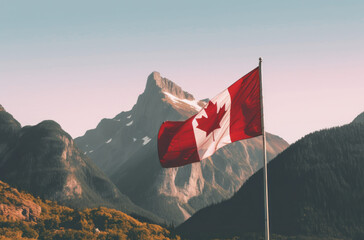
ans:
(50, 125)
(125, 148)
(156, 76)
(165, 85)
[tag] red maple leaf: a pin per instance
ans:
(213, 119)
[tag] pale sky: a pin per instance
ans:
(77, 62)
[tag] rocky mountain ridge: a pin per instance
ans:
(125, 147)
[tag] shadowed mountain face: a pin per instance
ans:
(316, 189)
(9, 129)
(125, 147)
(44, 160)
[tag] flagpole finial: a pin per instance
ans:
(260, 60)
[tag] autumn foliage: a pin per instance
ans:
(59, 222)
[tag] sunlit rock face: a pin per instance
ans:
(125, 148)
(17, 206)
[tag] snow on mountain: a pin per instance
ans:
(146, 140)
(172, 194)
(193, 103)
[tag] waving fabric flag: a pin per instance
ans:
(232, 115)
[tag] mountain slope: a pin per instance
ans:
(359, 118)
(44, 160)
(125, 147)
(315, 190)
(23, 216)
(115, 140)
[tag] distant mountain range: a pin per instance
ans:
(44, 161)
(316, 191)
(125, 173)
(125, 148)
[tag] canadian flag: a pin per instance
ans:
(232, 115)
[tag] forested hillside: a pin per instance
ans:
(24, 217)
(316, 190)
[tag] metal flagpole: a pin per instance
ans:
(266, 212)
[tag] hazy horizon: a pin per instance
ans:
(79, 62)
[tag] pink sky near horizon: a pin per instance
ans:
(291, 114)
(95, 63)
